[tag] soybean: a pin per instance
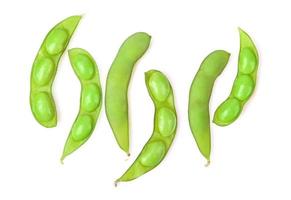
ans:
(116, 103)
(44, 70)
(87, 72)
(199, 96)
(165, 125)
(244, 83)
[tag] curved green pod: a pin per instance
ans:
(87, 72)
(44, 70)
(244, 83)
(165, 125)
(118, 78)
(199, 96)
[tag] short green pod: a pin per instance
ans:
(165, 125)
(44, 70)
(199, 96)
(87, 72)
(244, 83)
(117, 82)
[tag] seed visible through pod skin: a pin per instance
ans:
(45, 67)
(228, 110)
(43, 108)
(87, 72)
(82, 127)
(244, 84)
(247, 61)
(83, 66)
(166, 121)
(91, 97)
(243, 87)
(43, 71)
(165, 125)
(56, 41)
(159, 87)
(153, 154)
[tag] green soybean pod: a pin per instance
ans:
(199, 96)
(165, 125)
(87, 72)
(118, 78)
(44, 70)
(244, 83)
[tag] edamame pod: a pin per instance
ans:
(244, 83)
(91, 100)
(44, 70)
(165, 125)
(199, 96)
(118, 78)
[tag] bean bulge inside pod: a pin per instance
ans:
(247, 60)
(43, 107)
(56, 41)
(118, 78)
(43, 70)
(244, 83)
(82, 127)
(153, 154)
(199, 97)
(87, 72)
(165, 125)
(91, 97)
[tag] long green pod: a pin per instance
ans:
(44, 70)
(244, 83)
(118, 78)
(165, 125)
(87, 72)
(199, 96)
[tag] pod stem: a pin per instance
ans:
(62, 159)
(207, 164)
(116, 182)
(128, 155)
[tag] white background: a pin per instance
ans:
(250, 158)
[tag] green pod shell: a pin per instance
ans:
(165, 125)
(90, 103)
(199, 96)
(44, 70)
(244, 83)
(118, 79)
